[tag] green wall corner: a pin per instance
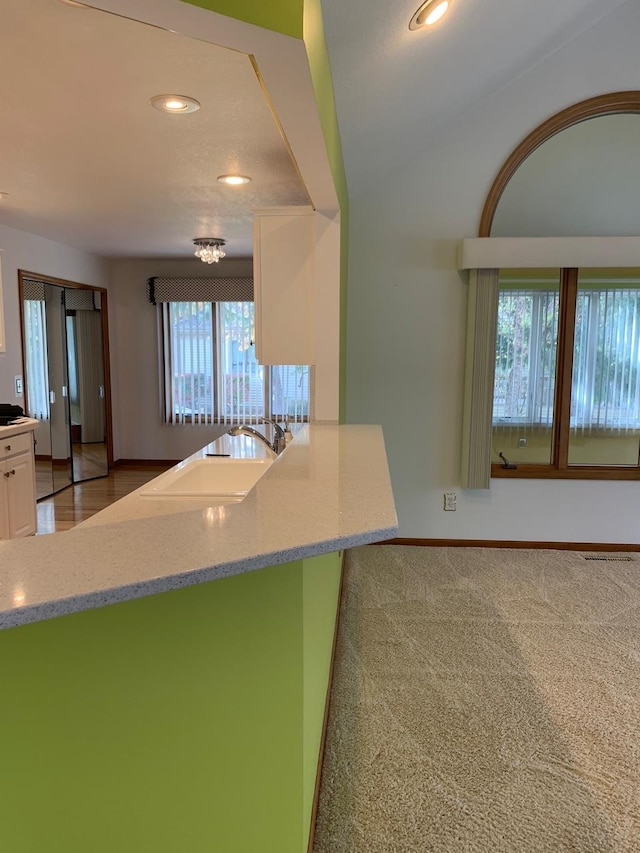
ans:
(321, 594)
(282, 16)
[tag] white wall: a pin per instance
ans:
(21, 250)
(407, 310)
(138, 429)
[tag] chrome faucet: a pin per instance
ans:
(279, 440)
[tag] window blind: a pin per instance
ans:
(211, 373)
(188, 335)
(289, 391)
(36, 359)
(526, 358)
(605, 390)
(241, 394)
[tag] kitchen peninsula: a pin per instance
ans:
(160, 693)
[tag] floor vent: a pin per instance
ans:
(609, 558)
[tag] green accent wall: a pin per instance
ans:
(282, 16)
(316, 47)
(189, 720)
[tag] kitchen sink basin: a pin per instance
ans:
(222, 477)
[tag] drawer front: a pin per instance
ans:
(16, 444)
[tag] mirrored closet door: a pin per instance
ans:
(64, 335)
(58, 384)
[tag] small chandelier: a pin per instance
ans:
(209, 249)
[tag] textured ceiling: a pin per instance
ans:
(395, 88)
(88, 162)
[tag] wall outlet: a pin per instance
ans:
(450, 500)
(522, 442)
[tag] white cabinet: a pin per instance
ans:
(17, 486)
(283, 279)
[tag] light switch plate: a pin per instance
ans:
(18, 381)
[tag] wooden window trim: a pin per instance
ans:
(602, 105)
(576, 472)
(564, 368)
(607, 104)
(559, 467)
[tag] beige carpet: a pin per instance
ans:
(484, 700)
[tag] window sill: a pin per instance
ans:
(546, 472)
(189, 420)
(593, 429)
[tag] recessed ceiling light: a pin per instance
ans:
(178, 104)
(428, 14)
(234, 180)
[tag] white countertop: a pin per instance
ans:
(22, 425)
(329, 490)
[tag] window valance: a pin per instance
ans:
(32, 290)
(211, 289)
(79, 299)
(75, 298)
(513, 252)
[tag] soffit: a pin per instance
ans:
(89, 163)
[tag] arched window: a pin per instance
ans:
(554, 321)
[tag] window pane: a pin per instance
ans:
(211, 371)
(36, 359)
(526, 348)
(240, 377)
(290, 392)
(605, 388)
(190, 365)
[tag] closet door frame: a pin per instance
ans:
(104, 311)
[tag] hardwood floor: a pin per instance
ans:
(75, 503)
(89, 460)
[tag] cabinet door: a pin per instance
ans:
(20, 494)
(283, 272)
(4, 504)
